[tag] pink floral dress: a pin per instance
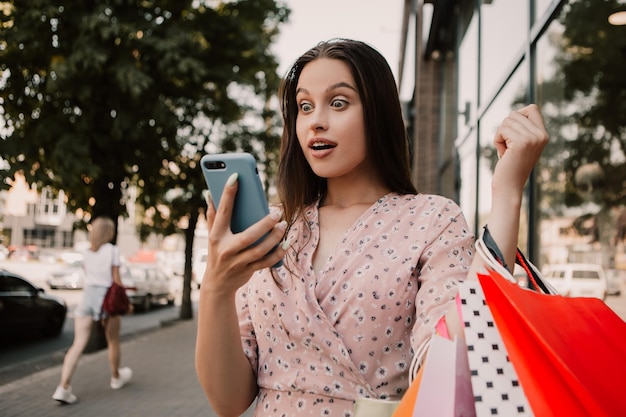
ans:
(323, 339)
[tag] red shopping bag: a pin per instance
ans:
(569, 353)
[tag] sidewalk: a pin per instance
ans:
(164, 381)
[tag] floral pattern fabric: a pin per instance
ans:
(321, 339)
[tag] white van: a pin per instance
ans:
(577, 280)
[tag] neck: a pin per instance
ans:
(352, 194)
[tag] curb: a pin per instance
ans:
(15, 374)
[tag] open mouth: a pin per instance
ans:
(321, 146)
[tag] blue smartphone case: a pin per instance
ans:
(250, 201)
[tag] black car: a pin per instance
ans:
(25, 308)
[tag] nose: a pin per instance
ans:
(319, 120)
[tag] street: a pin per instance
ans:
(18, 359)
(23, 356)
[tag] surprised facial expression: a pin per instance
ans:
(330, 123)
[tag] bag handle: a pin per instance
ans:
(488, 250)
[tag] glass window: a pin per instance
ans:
(581, 178)
(512, 97)
(467, 179)
(585, 274)
(9, 283)
(541, 6)
(504, 31)
(468, 77)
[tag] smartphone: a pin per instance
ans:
(250, 203)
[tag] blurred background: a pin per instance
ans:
(107, 107)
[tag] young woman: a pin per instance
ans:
(102, 268)
(370, 265)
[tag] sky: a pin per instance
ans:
(377, 22)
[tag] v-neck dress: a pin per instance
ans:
(322, 339)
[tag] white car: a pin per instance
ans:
(577, 280)
(146, 285)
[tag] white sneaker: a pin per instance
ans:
(64, 396)
(125, 374)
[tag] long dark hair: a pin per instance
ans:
(386, 135)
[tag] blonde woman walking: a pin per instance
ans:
(102, 268)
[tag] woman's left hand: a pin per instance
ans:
(519, 141)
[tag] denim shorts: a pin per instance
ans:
(91, 303)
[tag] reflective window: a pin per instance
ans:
(467, 179)
(504, 32)
(582, 178)
(542, 6)
(512, 97)
(468, 77)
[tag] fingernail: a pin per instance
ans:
(282, 225)
(275, 214)
(286, 244)
(232, 179)
(208, 198)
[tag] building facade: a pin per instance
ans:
(478, 60)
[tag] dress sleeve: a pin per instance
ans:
(443, 264)
(246, 328)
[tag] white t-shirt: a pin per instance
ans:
(98, 265)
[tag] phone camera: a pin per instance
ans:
(215, 164)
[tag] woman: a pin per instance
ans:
(102, 268)
(370, 265)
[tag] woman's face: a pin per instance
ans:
(330, 123)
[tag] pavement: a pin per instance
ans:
(164, 380)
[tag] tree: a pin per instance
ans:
(101, 95)
(586, 100)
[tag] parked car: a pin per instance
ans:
(146, 285)
(577, 280)
(71, 257)
(614, 280)
(71, 277)
(25, 308)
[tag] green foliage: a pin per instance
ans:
(586, 101)
(99, 95)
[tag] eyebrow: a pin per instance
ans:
(330, 88)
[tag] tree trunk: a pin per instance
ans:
(108, 195)
(186, 309)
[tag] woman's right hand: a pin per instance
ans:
(231, 259)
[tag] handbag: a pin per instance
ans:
(116, 302)
(568, 352)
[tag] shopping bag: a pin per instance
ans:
(569, 353)
(407, 404)
(445, 389)
(495, 383)
(441, 387)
